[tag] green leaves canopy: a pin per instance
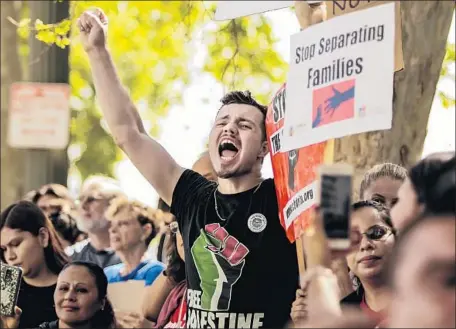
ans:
(152, 43)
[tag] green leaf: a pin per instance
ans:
(63, 27)
(48, 37)
(39, 25)
(152, 45)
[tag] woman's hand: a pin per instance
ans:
(12, 322)
(131, 320)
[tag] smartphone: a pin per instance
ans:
(10, 282)
(334, 197)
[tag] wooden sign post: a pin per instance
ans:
(312, 248)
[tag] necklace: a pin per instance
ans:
(215, 200)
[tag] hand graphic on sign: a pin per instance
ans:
(318, 118)
(337, 99)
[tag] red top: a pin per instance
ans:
(178, 318)
(377, 316)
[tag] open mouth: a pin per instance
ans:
(227, 150)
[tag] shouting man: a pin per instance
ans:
(241, 270)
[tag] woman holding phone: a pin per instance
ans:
(365, 260)
(28, 240)
(80, 299)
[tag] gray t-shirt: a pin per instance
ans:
(84, 251)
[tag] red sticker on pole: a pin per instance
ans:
(294, 171)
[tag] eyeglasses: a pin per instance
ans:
(173, 227)
(377, 232)
(87, 199)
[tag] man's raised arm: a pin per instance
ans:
(124, 122)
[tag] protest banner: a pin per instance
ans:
(234, 9)
(295, 175)
(127, 296)
(341, 7)
(294, 171)
(39, 115)
(340, 79)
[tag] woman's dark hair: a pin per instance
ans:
(65, 224)
(26, 216)
(384, 215)
(434, 181)
(175, 269)
(104, 318)
(382, 210)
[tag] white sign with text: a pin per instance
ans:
(340, 80)
(39, 115)
(234, 9)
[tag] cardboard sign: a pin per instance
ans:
(127, 296)
(234, 9)
(341, 76)
(340, 7)
(294, 171)
(39, 115)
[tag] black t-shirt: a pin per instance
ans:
(84, 251)
(37, 305)
(242, 272)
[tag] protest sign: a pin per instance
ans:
(340, 7)
(234, 9)
(294, 171)
(340, 80)
(39, 115)
(127, 296)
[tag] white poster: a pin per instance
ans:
(340, 80)
(234, 9)
(39, 115)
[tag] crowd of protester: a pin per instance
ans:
(402, 263)
(213, 254)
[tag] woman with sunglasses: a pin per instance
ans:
(52, 198)
(365, 261)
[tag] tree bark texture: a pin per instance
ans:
(48, 64)
(12, 163)
(425, 27)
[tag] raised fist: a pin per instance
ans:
(93, 25)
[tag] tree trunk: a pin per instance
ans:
(12, 163)
(425, 27)
(48, 65)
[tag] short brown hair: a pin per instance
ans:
(141, 212)
(245, 97)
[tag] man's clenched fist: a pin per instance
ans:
(93, 25)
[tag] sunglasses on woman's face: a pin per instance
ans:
(377, 232)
